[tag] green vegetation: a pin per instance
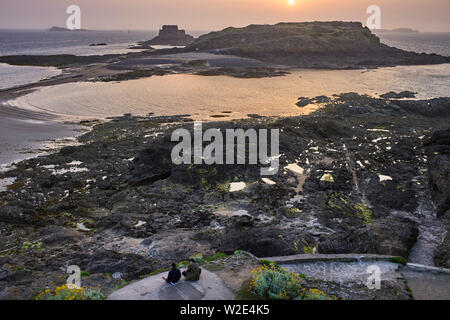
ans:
(291, 212)
(307, 248)
(85, 273)
(271, 282)
(339, 202)
(399, 260)
(65, 292)
(363, 212)
(268, 263)
(31, 245)
(122, 284)
(218, 255)
(223, 187)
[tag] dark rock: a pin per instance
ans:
(439, 107)
(129, 265)
(399, 95)
(389, 236)
(171, 35)
(438, 151)
(261, 241)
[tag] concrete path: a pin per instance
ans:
(209, 287)
(427, 283)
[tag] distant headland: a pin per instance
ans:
(58, 29)
(397, 30)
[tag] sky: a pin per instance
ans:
(424, 15)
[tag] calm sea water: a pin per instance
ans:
(38, 42)
(35, 42)
(204, 97)
(427, 42)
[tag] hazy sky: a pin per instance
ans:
(425, 15)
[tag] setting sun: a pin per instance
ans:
(291, 2)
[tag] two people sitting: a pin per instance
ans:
(192, 273)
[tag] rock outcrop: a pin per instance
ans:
(171, 35)
(312, 45)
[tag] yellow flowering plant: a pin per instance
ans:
(272, 282)
(66, 292)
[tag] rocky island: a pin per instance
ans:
(311, 45)
(172, 36)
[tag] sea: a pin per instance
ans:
(43, 42)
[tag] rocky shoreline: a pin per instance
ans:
(357, 175)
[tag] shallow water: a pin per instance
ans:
(12, 76)
(204, 97)
(40, 42)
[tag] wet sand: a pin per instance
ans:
(24, 134)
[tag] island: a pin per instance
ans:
(397, 30)
(61, 29)
(333, 44)
(172, 36)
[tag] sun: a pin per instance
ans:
(291, 2)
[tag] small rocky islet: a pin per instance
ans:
(359, 175)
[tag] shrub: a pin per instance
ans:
(399, 260)
(271, 282)
(65, 292)
(85, 273)
(218, 255)
(307, 248)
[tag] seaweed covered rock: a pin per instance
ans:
(390, 236)
(438, 149)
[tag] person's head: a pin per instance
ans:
(191, 261)
(174, 265)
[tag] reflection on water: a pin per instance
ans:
(12, 76)
(204, 97)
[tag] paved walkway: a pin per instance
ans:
(427, 283)
(209, 287)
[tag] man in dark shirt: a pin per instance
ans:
(174, 275)
(193, 271)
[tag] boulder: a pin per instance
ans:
(389, 236)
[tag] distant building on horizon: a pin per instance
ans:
(171, 35)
